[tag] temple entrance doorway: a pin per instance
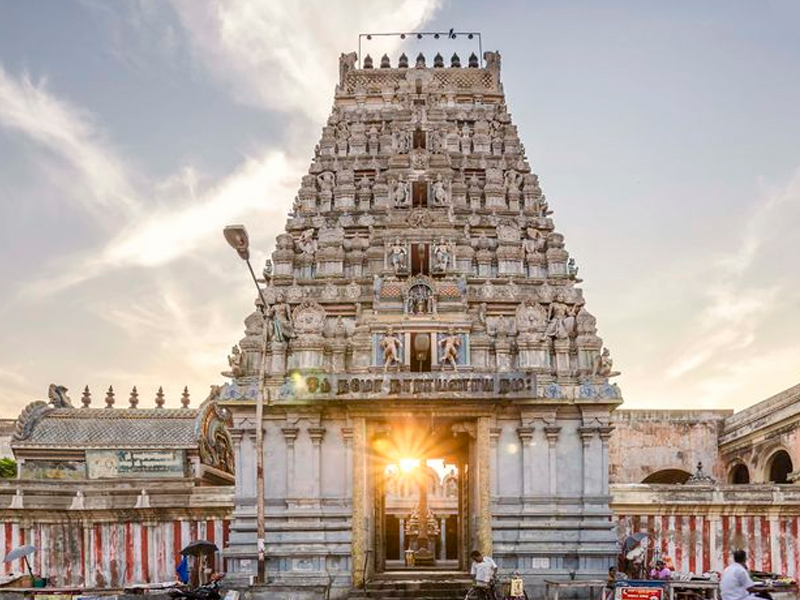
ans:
(422, 496)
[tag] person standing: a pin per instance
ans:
(483, 572)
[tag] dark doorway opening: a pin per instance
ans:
(419, 259)
(740, 474)
(780, 467)
(419, 194)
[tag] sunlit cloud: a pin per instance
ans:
(281, 55)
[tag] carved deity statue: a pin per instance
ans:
(391, 345)
(451, 344)
(326, 181)
(535, 242)
(439, 192)
(398, 256)
(603, 364)
(401, 194)
(281, 315)
(235, 362)
(443, 255)
(558, 326)
(306, 242)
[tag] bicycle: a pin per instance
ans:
(482, 591)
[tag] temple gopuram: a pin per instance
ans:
(422, 322)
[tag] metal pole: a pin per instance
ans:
(260, 541)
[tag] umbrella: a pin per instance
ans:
(21, 552)
(199, 547)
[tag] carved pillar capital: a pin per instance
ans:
(525, 434)
(347, 435)
(605, 433)
(316, 434)
(587, 434)
(290, 435)
(552, 432)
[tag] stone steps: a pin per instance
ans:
(419, 585)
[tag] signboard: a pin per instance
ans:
(305, 386)
(639, 593)
(142, 464)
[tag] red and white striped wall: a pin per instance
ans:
(110, 555)
(704, 543)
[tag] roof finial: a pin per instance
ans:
(402, 63)
(455, 62)
(86, 397)
(438, 61)
(160, 397)
(473, 61)
(134, 399)
(385, 63)
(185, 397)
(367, 62)
(420, 61)
(110, 397)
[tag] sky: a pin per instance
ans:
(666, 136)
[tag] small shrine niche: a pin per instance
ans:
(419, 194)
(419, 139)
(420, 258)
(419, 297)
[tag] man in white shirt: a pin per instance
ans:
(483, 569)
(735, 583)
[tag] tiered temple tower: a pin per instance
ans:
(421, 305)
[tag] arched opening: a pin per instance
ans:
(668, 476)
(740, 474)
(780, 466)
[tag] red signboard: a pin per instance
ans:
(640, 593)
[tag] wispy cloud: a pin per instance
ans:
(281, 55)
(69, 133)
(728, 343)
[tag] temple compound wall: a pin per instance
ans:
(109, 496)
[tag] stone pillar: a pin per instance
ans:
(316, 434)
(360, 533)
(290, 435)
(551, 432)
(347, 438)
(525, 439)
(402, 538)
(483, 455)
(278, 366)
(494, 436)
(561, 348)
(590, 464)
(605, 436)
(443, 538)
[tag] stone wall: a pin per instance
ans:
(647, 441)
(699, 526)
(110, 536)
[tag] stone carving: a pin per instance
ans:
(487, 290)
(215, 444)
(58, 396)
(531, 317)
(280, 314)
(391, 346)
(398, 257)
(513, 181)
(326, 181)
(420, 298)
(401, 194)
(439, 192)
(352, 291)
(535, 242)
(572, 268)
(28, 419)
(266, 272)
(562, 322)
(508, 231)
(306, 243)
(420, 218)
(236, 362)
(329, 292)
(443, 255)
(450, 346)
(309, 317)
(294, 293)
(604, 365)
(402, 141)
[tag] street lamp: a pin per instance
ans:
(236, 236)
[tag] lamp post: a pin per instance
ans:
(236, 236)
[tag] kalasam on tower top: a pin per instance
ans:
(433, 380)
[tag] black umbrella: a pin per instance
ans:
(22, 552)
(198, 547)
